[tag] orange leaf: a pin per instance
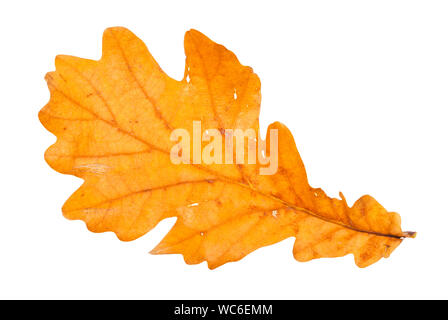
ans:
(114, 118)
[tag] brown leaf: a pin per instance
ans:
(113, 119)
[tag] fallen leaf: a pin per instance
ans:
(113, 119)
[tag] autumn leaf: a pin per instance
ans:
(113, 119)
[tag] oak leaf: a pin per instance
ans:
(113, 120)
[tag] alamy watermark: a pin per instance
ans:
(230, 149)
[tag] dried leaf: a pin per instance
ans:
(113, 119)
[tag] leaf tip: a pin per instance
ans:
(158, 250)
(194, 33)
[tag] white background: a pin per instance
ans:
(363, 86)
